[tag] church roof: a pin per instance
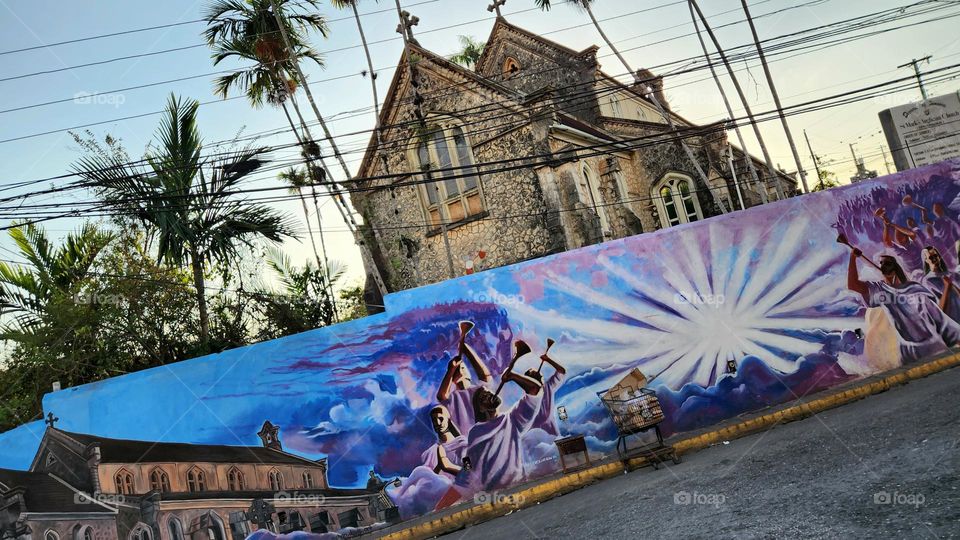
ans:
(133, 451)
(393, 93)
(44, 493)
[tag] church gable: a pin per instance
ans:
(527, 63)
(449, 92)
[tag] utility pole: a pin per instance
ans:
(916, 70)
(776, 98)
(816, 162)
(886, 162)
(757, 184)
(336, 191)
(774, 175)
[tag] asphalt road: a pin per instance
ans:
(882, 467)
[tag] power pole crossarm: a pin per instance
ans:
(915, 64)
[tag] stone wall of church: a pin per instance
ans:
(512, 227)
(572, 80)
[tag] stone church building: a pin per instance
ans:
(86, 487)
(534, 151)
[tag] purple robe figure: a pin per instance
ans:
(924, 329)
(445, 456)
(457, 388)
(460, 405)
(545, 419)
(493, 448)
(935, 282)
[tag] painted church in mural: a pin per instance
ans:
(455, 390)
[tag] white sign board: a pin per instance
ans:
(924, 132)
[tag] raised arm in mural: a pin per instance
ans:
(893, 232)
(529, 384)
(457, 376)
(545, 419)
(466, 351)
(853, 273)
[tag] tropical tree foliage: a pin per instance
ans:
(303, 301)
(247, 31)
(469, 53)
(190, 201)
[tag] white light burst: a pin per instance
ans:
(715, 293)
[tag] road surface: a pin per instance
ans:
(882, 467)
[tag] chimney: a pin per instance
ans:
(270, 436)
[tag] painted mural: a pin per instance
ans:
(454, 390)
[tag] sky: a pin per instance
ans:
(650, 34)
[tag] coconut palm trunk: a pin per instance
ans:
(199, 284)
(340, 200)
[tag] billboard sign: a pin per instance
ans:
(924, 132)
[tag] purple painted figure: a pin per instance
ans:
(923, 328)
(493, 444)
(942, 282)
(457, 390)
(545, 418)
(445, 455)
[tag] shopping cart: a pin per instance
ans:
(636, 411)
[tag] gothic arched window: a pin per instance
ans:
(159, 481)
(235, 480)
(453, 193)
(175, 528)
(589, 192)
(307, 479)
(276, 480)
(124, 482)
(510, 67)
(196, 480)
(676, 201)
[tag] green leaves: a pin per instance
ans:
(470, 52)
(26, 290)
(249, 32)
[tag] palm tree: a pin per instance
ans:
(248, 31)
(277, 31)
(190, 202)
(587, 7)
(469, 53)
(26, 291)
(352, 4)
(298, 179)
(305, 300)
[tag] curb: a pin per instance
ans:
(571, 482)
